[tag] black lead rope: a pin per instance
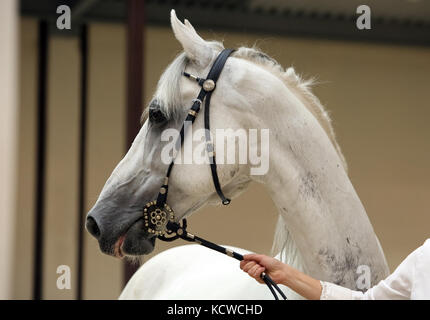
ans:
(159, 218)
(181, 232)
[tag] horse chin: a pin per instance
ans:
(137, 242)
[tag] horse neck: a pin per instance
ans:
(325, 220)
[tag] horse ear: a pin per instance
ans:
(194, 46)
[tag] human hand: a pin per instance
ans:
(255, 264)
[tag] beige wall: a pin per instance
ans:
(106, 145)
(23, 259)
(8, 141)
(377, 96)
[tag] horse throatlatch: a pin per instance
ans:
(159, 218)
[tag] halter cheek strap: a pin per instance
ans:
(208, 86)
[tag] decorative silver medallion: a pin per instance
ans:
(156, 219)
(209, 85)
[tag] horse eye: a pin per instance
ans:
(156, 116)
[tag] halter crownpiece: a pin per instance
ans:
(159, 218)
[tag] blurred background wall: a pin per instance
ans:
(376, 92)
(8, 143)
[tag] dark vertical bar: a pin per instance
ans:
(41, 158)
(135, 24)
(82, 156)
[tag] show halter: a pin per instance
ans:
(159, 218)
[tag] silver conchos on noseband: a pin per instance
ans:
(156, 219)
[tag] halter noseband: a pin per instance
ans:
(159, 218)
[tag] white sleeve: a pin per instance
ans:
(396, 286)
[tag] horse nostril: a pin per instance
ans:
(92, 227)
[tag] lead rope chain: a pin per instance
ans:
(159, 218)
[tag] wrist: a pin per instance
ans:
(288, 278)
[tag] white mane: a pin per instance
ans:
(169, 99)
(169, 95)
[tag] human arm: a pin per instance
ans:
(396, 286)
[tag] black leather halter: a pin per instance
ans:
(159, 218)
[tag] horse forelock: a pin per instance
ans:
(168, 92)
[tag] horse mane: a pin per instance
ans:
(301, 87)
(283, 243)
(168, 93)
(168, 97)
